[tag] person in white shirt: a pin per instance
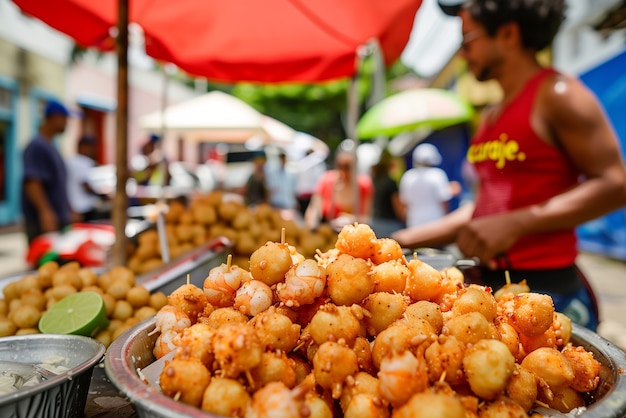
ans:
(281, 184)
(425, 190)
(83, 199)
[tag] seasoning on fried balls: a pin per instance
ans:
(185, 379)
(349, 280)
(384, 308)
(270, 262)
(225, 397)
(189, 299)
(358, 240)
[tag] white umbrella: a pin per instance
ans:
(217, 117)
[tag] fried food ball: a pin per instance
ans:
(349, 280)
(118, 289)
(390, 276)
(333, 322)
(275, 366)
(189, 299)
(401, 375)
(384, 308)
(145, 312)
(445, 356)
(440, 405)
(122, 273)
(317, 407)
(26, 316)
(28, 282)
(7, 327)
(122, 310)
(185, 379)
(357, 240)
(502, 407)
(138, 296)
(488, 365)
(365, 405)
(512, 288)
(158, 300)
(396, 338)
(386, 249)
(469, 328)
(195, 342)
(362, 382)
(45, 272)
(203, 214)
(428, 311)
(332, 364)
(509, 336)
(563, 399)
(564, 329)
(522, 387)
(270, 262)
(223, 316)
(533, 313)
(476, 299)
(88, 277)
(225, 397)
(424, 282)
(11, 291)
(67, 276)
(550, 365)
(586, 368)
(61, 291)
(237, 349)
(276, 330)
(34, 297)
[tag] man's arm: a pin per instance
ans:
(569, 116)
(437, 233)
(36, 195)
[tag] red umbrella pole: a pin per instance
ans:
(119, 252)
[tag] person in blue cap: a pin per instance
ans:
(45, 206)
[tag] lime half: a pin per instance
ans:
(80, 313)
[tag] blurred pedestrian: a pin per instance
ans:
(335, 196)
(310, 168)
(152, 166)
(281, 184)
(83, 198)
(546, 157)
(45, 204)
(255, 189)
(425, 190)
(387, 211)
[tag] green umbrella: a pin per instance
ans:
(427, 108)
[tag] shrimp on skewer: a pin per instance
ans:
(223, 282)
(304, 282)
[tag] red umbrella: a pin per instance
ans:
(233, 40)
(244, 40)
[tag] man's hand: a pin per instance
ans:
(48, 220)
(488, 236)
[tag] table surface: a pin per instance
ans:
(105, 400)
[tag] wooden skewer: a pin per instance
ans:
(282, 235)
(229, 261)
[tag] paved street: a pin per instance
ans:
(607, 276)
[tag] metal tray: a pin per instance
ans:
(133, 351)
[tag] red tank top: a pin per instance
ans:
(516, 168)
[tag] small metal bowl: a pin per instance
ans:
(63, 395)
(133, 350)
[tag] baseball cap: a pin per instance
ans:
(54, 107)
(450, 7)
(426, 154)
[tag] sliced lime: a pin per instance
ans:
(81, 313)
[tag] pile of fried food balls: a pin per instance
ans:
(362, 331)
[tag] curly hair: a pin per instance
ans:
(538, 20)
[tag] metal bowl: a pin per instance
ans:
(133, 350)
(63, 395)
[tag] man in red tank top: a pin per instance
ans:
(546, 157)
